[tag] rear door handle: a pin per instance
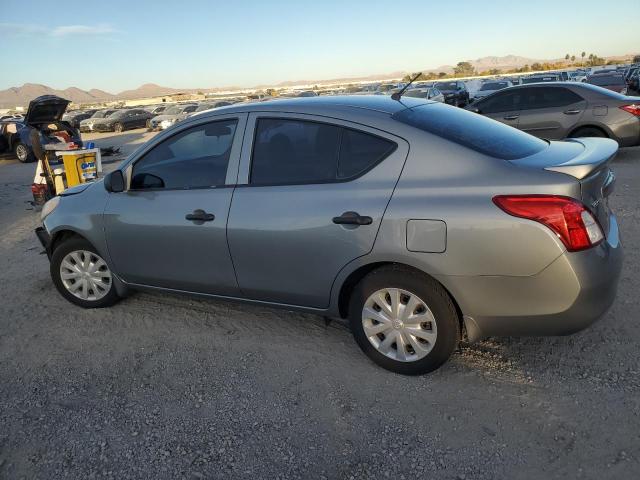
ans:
(571, 112)
(511, 117)
(352, 218)
(200, 216)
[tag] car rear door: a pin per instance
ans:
(550, 111)
(168, 228)
(312, 192)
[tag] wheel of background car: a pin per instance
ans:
(118, 127)
(81, 275)
(148, 123)
(403, 320)
(22, 153)
(588, 132)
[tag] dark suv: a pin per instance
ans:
(455, 93)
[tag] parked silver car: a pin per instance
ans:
(414, 219)
(171, 115)
(568, 109)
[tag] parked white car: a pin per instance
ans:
(490, 87)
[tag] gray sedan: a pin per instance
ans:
(565, 109)
(417, 221)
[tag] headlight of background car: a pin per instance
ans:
(49, 207)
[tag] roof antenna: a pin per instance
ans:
(397, 95)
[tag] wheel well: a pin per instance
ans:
(606, 134)
(358, 274)
(62, 236)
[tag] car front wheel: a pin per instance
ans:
(81, 275)
(403, 320)
(118, 128)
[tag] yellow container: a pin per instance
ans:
(79, 166)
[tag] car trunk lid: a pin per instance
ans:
(46, 109)
(588, 161)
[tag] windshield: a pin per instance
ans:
(173, 111)
(447, 85)
(202, 108)
(606, 80)
(494, 86)
(117, 114)
(102, 113)
(472, 130)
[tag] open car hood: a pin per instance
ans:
(46, 109)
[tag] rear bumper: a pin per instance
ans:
(566, 297)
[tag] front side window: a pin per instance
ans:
(194, 158)
(288, 151)
(500, 102)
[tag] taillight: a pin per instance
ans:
(567, 217)
(37, 188)
(633, 109)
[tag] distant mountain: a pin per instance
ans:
(150, 90)
(487, 63)
(17, 96)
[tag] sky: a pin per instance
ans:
(116, 45)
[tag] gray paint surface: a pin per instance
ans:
(277, 244)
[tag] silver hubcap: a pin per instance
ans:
(21, 152)
(85, 275)
(399, 324)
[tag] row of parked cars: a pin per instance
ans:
(154, 117)
(554, 105)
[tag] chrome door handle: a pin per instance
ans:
(571, 112)
(511, 117)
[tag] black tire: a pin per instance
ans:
(148, 124)
(588, 132)
(61, 251)
(23, 153)
(118, 128)
(428, 290)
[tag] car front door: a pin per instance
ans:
(550, 112)
(312, 192)
(501, 106)
(168, 228)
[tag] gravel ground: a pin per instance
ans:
(171, 387)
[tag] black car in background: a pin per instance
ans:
(122, 120)
(455, 92)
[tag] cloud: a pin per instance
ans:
(25, 29)
(66, 30)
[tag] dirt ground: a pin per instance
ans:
(170, 387)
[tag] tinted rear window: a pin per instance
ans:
(472, 130)
(606, 80)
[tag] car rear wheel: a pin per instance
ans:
(81, 275)
(588, 132)
(23, 153)
(118, 128)
(403, 320)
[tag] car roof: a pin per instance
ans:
(336, 103)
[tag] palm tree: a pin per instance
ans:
(567, 57)
(582, 55)
(573, 58)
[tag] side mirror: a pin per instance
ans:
(114, 182)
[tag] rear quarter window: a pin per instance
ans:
(472, 130)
